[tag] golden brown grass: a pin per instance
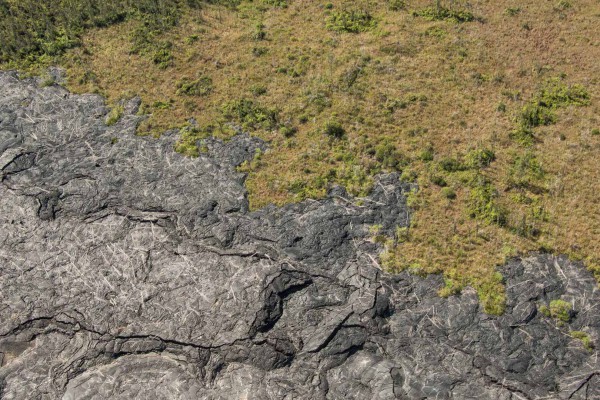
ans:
(459, 73)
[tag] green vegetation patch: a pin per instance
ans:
(114, 115)
(483, 204)
(202, 86)
(541, 110)
(190, 140)
(560, 310)
(351, 21)
(250, 115)
(397, 5)
(35, 32)
(586, 340)
(334, 130)
(439, 12)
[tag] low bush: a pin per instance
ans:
(479, 158)
(535, 114)
(250, 115)
(452, 165)
(351, 21)
(525, 170)
(448, 193)
(483, 203)
(561, 310)
(388, 156)
(334, 129)
(202, 86)
(162, 55)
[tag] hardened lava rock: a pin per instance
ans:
(128, 271)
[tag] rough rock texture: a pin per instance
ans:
(130, 272)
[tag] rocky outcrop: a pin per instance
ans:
(129, 271)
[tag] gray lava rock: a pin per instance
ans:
(131, 272)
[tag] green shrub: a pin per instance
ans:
(451, 165)
(545, 311)
(258, 90)
(535, 114)
(448, 193)
(561, 310)
(288, 132)
(523, 135)
(525, 170)
(249, 114)
(162, 105)
(555, 94)
(354, 178)
(540, 110)
(483, 203)
(388, 156)
(435, 31)
(334, 129)
(595, 132)
(33, 30)
(408, 175)
(438, 180)
(480, 158)
(162, 56)
(199, 87)
(426, 155)
(351, 21)
(451, 287)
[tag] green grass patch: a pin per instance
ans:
(114, 115)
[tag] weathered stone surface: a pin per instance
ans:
(128, 271)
